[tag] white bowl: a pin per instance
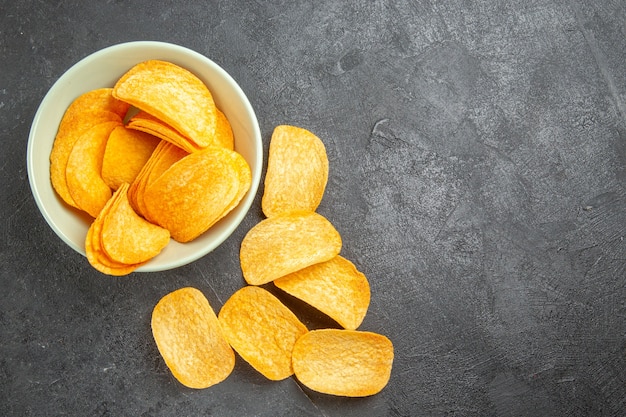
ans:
(102, 69)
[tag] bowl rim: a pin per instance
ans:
(234, 218)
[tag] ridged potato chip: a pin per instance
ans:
(89, 109)
(171, 94)
(283, 244)
(297, 171)
(197, 191)
(83, 172)
(342, 362)
(262, 330)
(335, 287)
(190, 340)
(127, 151)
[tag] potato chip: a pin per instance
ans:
(297, 171)
(171, 94)
(197, 191)
(341, 362)
(164, 156)
(94, 250)
(126, 153)
(224, 131)
(84, 167)
(144, 122)
(128, 238)
(262, 330)
(334, 287)
(283, 244)
(190, 340)
(89, 109)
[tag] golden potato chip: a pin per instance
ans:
(286, 243)
(190, 340)
(89, 109)
(164, 156)
(224, 131)
(84, 167)
(171, 94)
(341, 362)
(128, 238)
(147, 123)
(94, 250)
(195, 192)
(297, 171)
(334, 287)
(127, 151)
(262, 330)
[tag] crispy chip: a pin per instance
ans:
(171, 94)
(164, 156)
(334, 287)
(197, 191)
(297, 171)
(348, 363)
(128, 238)
(147, 123)
(262, 330)
(190, 340)
(283, 244)
(94, 250)
(89, 109)
(126, 153)
(224, 132)
(84, 167)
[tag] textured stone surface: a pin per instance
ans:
(477, 176)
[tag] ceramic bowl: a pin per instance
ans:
(102, 69)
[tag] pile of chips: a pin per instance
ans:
(150, 159)
(297, 250)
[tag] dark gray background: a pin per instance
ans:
(477, 175)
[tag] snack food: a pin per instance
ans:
(283, 244)
(84, 166)
(347, 363)
(262, 330)
(173, 95)
(297, 171)
(196, 191)
(190, 340)
(119, 240)
(335, 287)
(87, 110)
(170, 115)
(127, 151)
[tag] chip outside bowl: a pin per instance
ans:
(102, 69)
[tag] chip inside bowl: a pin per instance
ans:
(171, 94)
(197, 191)
(87, 110)
(127, 151)
(83, 172)
(119, 240)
